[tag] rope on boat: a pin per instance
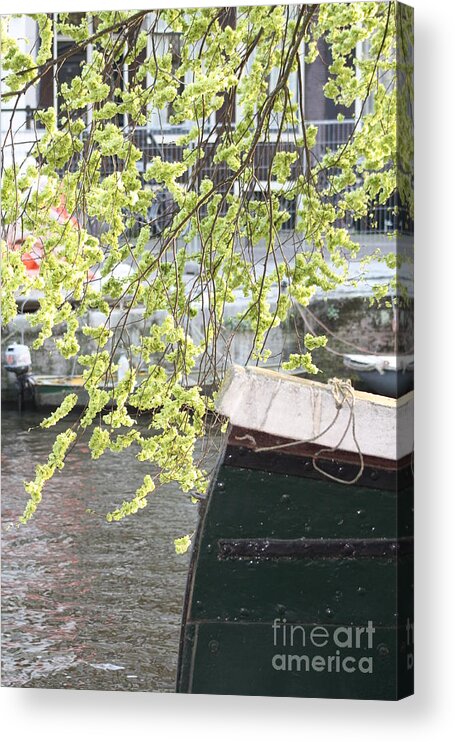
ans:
(354, 365)
(342, 392)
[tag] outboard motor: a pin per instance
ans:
(18, 362)
(18, 359)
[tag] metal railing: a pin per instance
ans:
(26, 115)
(331, 135)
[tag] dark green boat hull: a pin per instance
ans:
(299, 550)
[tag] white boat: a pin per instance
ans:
(386, 374)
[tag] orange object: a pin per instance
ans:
(29, 262)
(32, 260)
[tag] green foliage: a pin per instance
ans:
(302, 361)
(61, 412)
(95, 129)
(44, 472)
(182, 544)
(138, 502)
(312, 342)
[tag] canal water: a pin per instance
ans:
(86, 603)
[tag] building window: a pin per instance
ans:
(160, 44)
(69, 65)
(317, 107)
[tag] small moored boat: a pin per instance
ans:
(300, 581)
(387, 374)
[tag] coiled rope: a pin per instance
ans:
(343, 393)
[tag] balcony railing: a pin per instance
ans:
(383, 218)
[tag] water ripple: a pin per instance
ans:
(87, 604)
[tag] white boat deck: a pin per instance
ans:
(307, 411)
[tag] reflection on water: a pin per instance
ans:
(87, 604)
